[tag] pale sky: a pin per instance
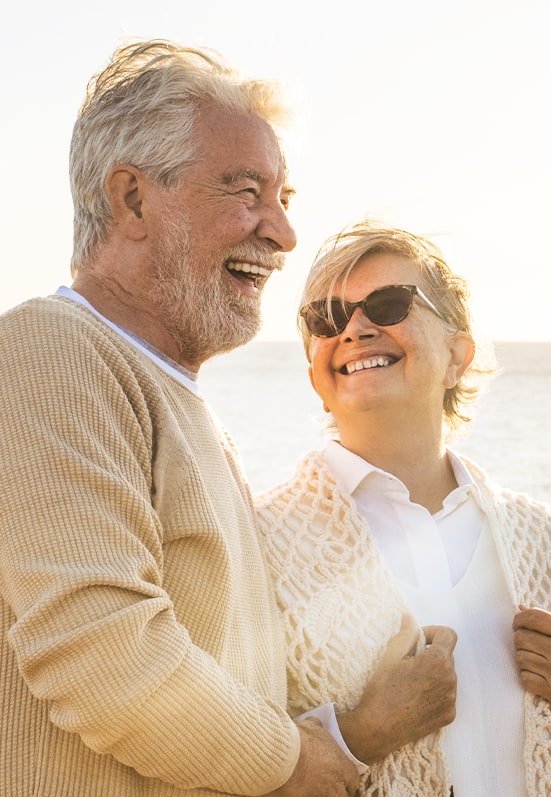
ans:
(429, 114)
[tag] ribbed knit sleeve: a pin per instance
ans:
(123, 527)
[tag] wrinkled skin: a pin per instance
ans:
(408, 697)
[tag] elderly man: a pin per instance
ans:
(142, 652)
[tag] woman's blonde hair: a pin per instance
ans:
(142, 110)
(448, 291)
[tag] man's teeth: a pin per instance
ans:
(249, 268)
(360, 365)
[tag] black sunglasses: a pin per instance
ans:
(384, 307)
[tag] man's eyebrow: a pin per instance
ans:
(251, 174)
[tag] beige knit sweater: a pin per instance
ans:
(141, 648)
(341, 606)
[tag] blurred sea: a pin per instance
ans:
(262, 395)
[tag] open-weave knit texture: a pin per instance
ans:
(341, 606)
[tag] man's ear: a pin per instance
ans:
(461, 356)
(125, 188)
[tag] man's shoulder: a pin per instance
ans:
(56, 338)
(43, 311)
(54, 323)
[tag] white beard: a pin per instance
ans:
(205, 314)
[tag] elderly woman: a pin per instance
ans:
(388, 520)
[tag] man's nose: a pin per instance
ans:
(276, 227)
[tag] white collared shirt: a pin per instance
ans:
(448, 571)
(439, 552)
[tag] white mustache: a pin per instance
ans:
(252, 254)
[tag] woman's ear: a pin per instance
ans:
(125, 188)
(461, 356)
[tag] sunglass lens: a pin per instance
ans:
(389, 305)
(315, 317)
(339, 317)
(324, 322)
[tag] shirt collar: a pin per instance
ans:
(351, 470)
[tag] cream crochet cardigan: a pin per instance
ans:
(338, 621)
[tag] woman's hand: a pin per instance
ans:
(532, 637)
